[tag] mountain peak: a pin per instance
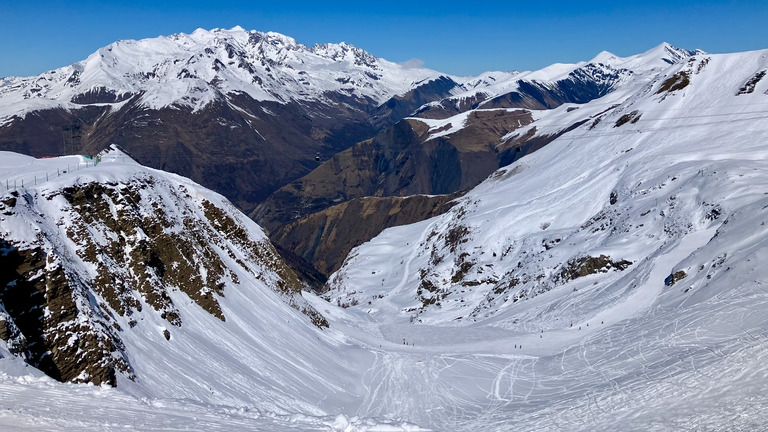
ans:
(604, 57)
(193, 69)
(669, 53)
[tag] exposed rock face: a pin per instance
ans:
(585, 266)
(46, 320)
(107, 253)
(326, 237)
(400, 161)
(241, 148)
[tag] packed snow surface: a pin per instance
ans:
(503, 337)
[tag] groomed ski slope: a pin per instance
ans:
(608, 351)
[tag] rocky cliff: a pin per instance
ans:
(88, 255)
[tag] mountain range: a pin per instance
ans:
(285, 131)
(242, 112)
(576, 248)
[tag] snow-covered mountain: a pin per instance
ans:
(556, 84)
(451, 145)
(102, 263)
(164, 295)
(693, 117)
(245, 112)
(192, 70)
(241, 112)
(613, 279)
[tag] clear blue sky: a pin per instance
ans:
(463, 38)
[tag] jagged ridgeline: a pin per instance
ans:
(240, 112)
(87, 256)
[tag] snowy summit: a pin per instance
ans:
(192, 70)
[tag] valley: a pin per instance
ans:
(578, 248)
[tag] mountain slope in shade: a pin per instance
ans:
(326, 237)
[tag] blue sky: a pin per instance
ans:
(464, 38)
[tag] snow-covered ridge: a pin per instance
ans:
(194, 69)
(627, 254)
(113, 250)
(605, 70)
(721, 96)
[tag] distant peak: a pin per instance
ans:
(604, 57)
(670, 53)
(344, 51)
(217, 30)
(280, 37)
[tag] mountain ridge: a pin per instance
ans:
(200, 65)
(108, 246)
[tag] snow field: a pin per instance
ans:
(639, 355)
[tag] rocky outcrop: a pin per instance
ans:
(47, 320)
(106, 253)
(588, 265)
